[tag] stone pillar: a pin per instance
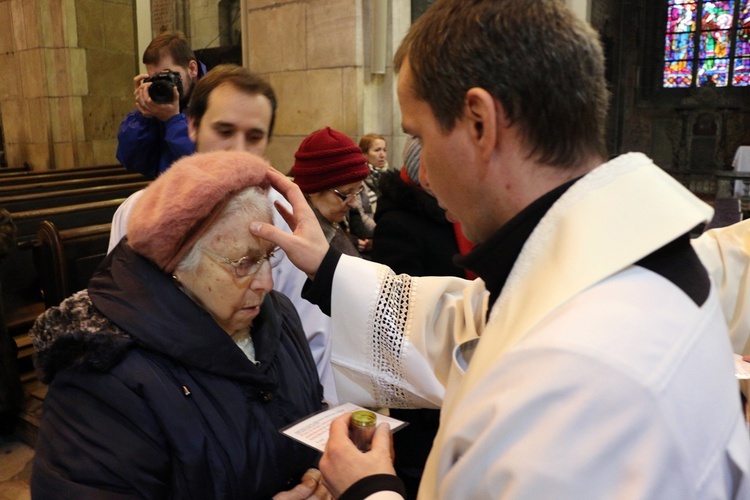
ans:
(66, 67)
(316, 54)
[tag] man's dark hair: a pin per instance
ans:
(241, 78)
(535, 57)
(170, 43)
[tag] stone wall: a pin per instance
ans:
(67, 69)
(316, 54)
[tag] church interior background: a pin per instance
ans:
(68, 69)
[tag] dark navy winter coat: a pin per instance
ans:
(150, 398)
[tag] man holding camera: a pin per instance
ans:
(156, 133)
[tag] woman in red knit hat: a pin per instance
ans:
(330, 169)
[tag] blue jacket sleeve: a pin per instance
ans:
(148, 146)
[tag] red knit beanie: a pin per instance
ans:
(328, 159)
(178, 207)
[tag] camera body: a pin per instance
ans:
(162, 84)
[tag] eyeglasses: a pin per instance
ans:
(346, 197)
(244, 266)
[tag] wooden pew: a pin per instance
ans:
(26, 170)
(66, 259)
(60, 175)
(21, 283)
(15, 170)
(19, 203)
(51, 186)
(65, 217)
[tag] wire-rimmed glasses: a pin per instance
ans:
(244, 266)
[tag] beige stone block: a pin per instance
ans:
(110, 73)
(32, 20)
(119, 32)
(121, 106)
(277, 38)
(38, 118)
(261, 4)
(84, 152)
(308, 101)
(18, 25)
(281, 149)
(10, 77)
(15, 124)
(66, 119)
(400, 21)
(77, 72)
(70, 24)
(104, 152)
(378, 102)
(52, 23)
(90, 25)
(76, 105)
(57, 71)
(33, 77)
(99, 121)
(60, 113)
(63, 156)
(13, 155)
(7, 44)
(37, 154)
(351, 99)
(334, 34)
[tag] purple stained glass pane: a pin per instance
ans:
(717, 15)
(678, 74)
(679, 46)
(714, 44)
(743, 20)
(681, 18)
(743, 43)
(741, 72)
(713, 72)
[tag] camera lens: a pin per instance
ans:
(161, 91)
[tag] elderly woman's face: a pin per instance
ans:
(232, 301)
(330, 203)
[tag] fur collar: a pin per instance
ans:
(75, 333)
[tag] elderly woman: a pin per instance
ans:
(171, 375)
(329, 169)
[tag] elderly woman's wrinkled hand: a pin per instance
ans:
(306, 245)
(311, 486)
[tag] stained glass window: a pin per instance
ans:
(707, 43)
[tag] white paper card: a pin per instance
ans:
(313, 430)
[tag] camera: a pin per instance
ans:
(162, 84)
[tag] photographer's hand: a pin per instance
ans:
(149, 108)
(141, 94)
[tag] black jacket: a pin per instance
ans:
(150, 398)
(412, 235)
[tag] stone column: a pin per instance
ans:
(316, 54)
(66, 67)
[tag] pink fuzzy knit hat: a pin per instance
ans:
(328, 159)
(182, 203)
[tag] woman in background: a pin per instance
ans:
(413, 236)
(330, 169)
